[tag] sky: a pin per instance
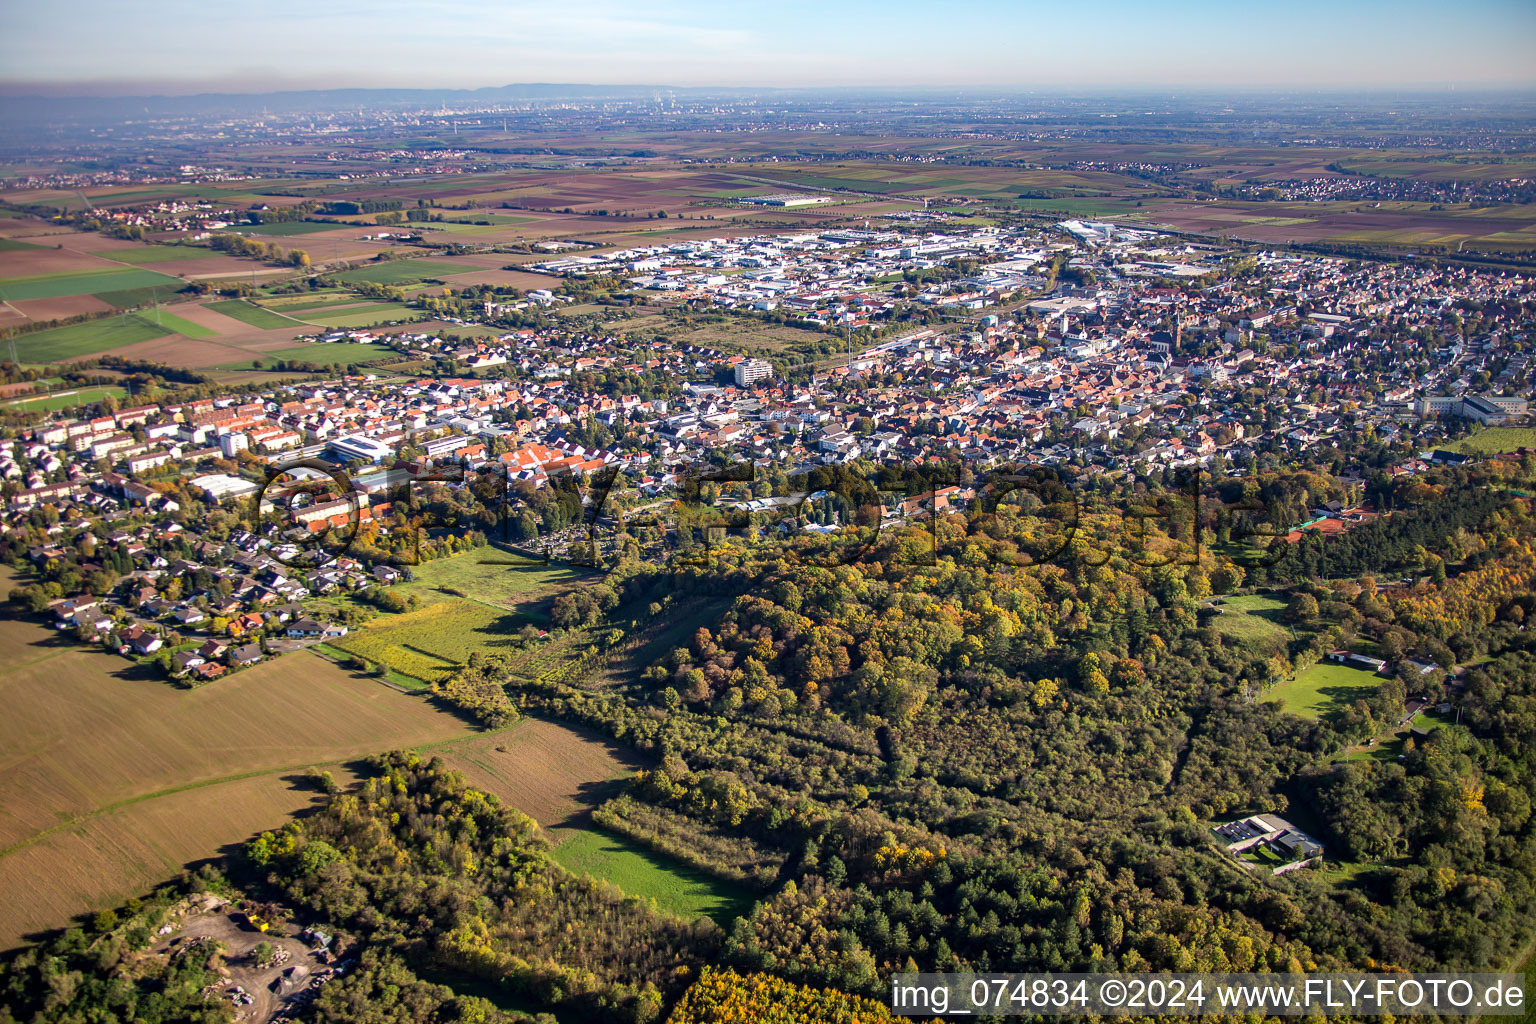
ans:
(180, 46)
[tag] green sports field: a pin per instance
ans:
(53, 286)
(85, 339)
(66, 399)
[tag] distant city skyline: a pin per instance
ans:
(184, 46)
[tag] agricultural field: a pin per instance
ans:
(332, 353)
(166, 776)
(185, 328)
(251, 314)
(1493, 440)
(1324, 690)
(401, 271)
(1396, 224)
(553, 773)
(284, 229)
(676, 888)
(367, 315)
(93, 282)
(315, 300)
(140, 255)
(432, 641)
(76, 341)
(476, 576)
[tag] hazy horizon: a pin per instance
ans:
(1311, 45)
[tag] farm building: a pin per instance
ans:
(1354, 660)
(786, 199)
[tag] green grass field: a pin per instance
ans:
(13, 245)
(676, 888)
(1254, 621)
(67, 399)
(130, 298)
(430, 642)
(361, 316)
(286, 228)
(154, 254)
(476, 576)
(1492, 440)
(330, 353)
(185, 328)
(245, 312)
(1323, 690)
(84, 339)
(321, 303)
(53, 286)
(400, 271)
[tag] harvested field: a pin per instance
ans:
(1403, 224)
(114, 779)
(129, 850)
(225, 325)
(50, 260)
(551, 772)
(199, 353)
(65, 306)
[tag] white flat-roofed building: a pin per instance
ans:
(356, 446)
(786, 199)
(219, 486)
